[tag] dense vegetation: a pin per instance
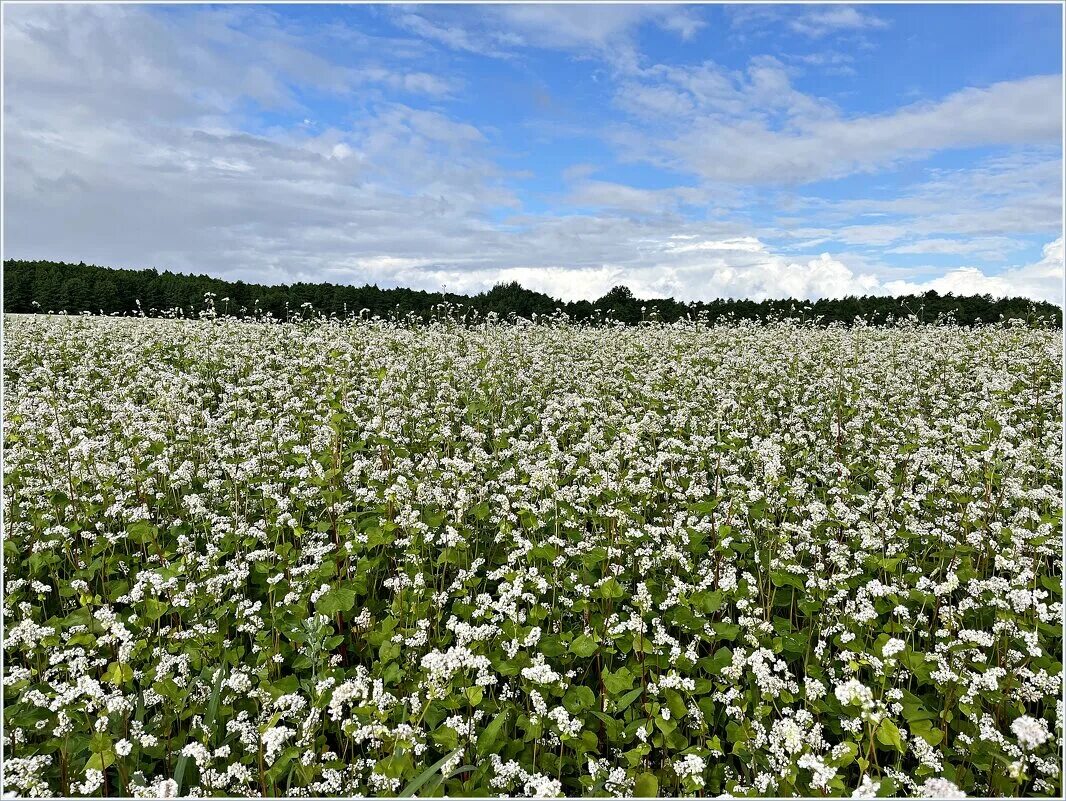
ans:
(31, 286)
(332, 559)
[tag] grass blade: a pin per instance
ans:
(425, 775)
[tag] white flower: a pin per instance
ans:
(538, 786)
(541, 673)
(892, 647)
(691, 767)
(274, 740)
(1031, 732)
(853, 691)
(939, 788)
(867, 788)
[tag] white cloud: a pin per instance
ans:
(978, 207)
(988, 247)
(754, 126)
(830, 61)
(812, 21)
(1042, 280)
(620, 197)
(456, 36)
(818, 21)
(603, 31)
(652, 266)
(415, 83)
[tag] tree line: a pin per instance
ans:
(47, 286)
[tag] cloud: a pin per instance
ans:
(456, 37)
(686, 268)
(829, 61)
(755, 127)
(595, 26)
(622, 198)
(157, 167)
(414, 83)
(977, 207)
(988, 247)
(1042, 280)
(810, 21)
(601, 31)
(819, 21)
(120, 62)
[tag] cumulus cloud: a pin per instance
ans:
(686, 267)
(1042, 280)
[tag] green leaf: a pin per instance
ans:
(338, 599)
(101, 761)
(888, 735)
(849, 751)
(890, 564)
(279, 768)
(727, 631)
(140, 531)
(212, 705)
(712, 601)
(550, 645)
(117, 673)
(676, 704)
(914, 709)
(722, 659)
(619, 681)
(628, 698)
(780, 578)
(388, 651)
(704, 507)
(212, 709)
(666, 726)
(794, 643)
(487, 741)
(611, 589)
(446, 737)
(647, 786)
(924, 729)
(153, 609)
(578, 698)
(584, 646)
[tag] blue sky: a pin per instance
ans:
(685, 150)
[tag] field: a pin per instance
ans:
(333, 559)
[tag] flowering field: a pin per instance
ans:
(325, 559)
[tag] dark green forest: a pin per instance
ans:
(46, 286)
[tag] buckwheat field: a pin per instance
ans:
(334, 559)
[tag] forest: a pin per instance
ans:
(48, 286)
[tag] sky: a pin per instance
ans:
(693, 151)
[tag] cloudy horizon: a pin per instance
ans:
(692, 151)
